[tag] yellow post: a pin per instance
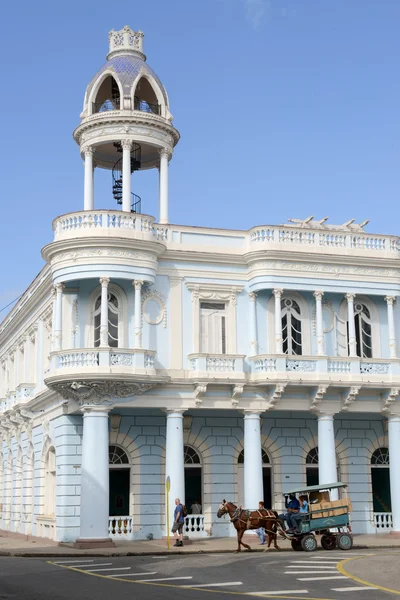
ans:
(167, 489)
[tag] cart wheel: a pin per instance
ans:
(344, 541)
(296, 545)
(328, 542)
(309, 543)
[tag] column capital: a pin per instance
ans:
(252, 296)
(126, 144)
(350, 297)
(104, 281)
(88, 150)
(138, 284)
(59, 287)
(277, 292)
(95, 411)
(318, 294)
(53, 291)
(390, 300)
(163, 152)
(250, 413)
(325, 416)
(177, 412)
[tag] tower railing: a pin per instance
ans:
(106, 105)
(145, 106)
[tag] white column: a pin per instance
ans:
(390, 300)
(53, 318)
(104, 312)
(352, 328)
(88, 202)
(94, 475)
(278, 321)
(253, 324)
(17, 379)
(126, 175)
(27, 360)
(138, 313)
(58, 316)
(319, 325)
(253, 475)
(163, 186)
(39, 355)
(394, 453)
(327, 468)
(174, 460)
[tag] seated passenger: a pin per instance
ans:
(292, 507)
(296, 518)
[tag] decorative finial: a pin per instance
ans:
(126, 41)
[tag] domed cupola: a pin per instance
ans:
(126, 123)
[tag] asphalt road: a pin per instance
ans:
(319, 575)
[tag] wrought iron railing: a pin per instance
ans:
(106, 105)
(145, 106)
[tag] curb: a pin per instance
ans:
(22, 554)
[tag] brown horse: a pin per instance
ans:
(254, 519)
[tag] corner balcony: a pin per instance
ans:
(102, 361)
(108, 223)
(313, 368)
(217, 366)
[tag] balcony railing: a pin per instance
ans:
(318, 364)
(107, 105)
(383, 521)
(120, 528)
(145, 106)
(194, 526)
(216, 365)
(324, 239)
(89, 358)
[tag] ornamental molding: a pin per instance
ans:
(317, 397)
(199, 392)
(103, 392)
(335, 270)
(152, 130)
(217, 291)
(388, 399)
(276, 395)
(237, 393)
(156, 296)
(76, 255)
(350, 398)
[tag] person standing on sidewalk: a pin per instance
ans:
(177, 527)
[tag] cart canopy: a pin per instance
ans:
(317, 488)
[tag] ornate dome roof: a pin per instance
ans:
(126, 68)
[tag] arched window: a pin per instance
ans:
(380, 476)
(312, 476)
(107, 97)
(145, 98)
(50, 483)
(267, 478)
(113, 320)
(120, 481)
(117, 456)
(291, 327)
(193, 479)
(362, 322)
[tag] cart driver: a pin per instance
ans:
(292, 506)
(296, 518)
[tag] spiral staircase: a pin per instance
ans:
(136, 155)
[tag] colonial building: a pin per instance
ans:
(237, 363)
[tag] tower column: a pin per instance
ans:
(163, 217)
(319, 323)
(126, 175)
(278, 321)
(88, 202)
(253, 324)
(352, 327)
(58, 317)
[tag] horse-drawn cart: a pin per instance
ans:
(326, 518)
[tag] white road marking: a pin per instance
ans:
(277, 592)
(164, 579)
(112, 569)
(81, 565)
(306, 572)
(310, 567)
(321, 578)
(68, 562)
(307, 562)
(204, 585)
(162, 557)
(135, 574)
(353, 589)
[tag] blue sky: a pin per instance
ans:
(286, 108)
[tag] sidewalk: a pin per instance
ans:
(13, 546)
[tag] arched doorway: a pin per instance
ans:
(193, 478)
(380, 477)
(267, 478)
(119, 482)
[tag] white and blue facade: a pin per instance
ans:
(238, 363)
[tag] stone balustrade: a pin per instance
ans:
(120, 528)
(216, 366)
(94, 359)
(383, 522)
(108, 222)
(194, 526)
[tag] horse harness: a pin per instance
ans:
(239, 512)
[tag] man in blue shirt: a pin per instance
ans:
(296, 518)
(179, 519)
(292, 506)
